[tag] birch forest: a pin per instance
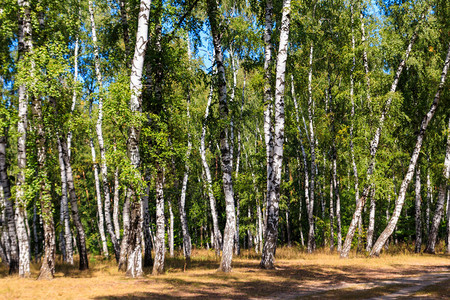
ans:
(139, 132)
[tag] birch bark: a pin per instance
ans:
(160, 249)
(148, 260)
(271, 233)
(47, 269)
(116, 204)
(415, 155)
(418, 214)
(352, 114)
(212, 200)
(101, 143)
(268, 98)
(305, 164)
(373, 150)
(310, 206)
(133, 245)
(81, 235)
(226, 159)
(66, 234)
(25, 45)
(439, 210)
(429, 201)
(187, 246)
(12, 251)
(371, 228)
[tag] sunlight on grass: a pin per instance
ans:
(295, 271)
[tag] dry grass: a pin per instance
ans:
(296, 273)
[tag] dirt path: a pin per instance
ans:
(398, 288)
(417, 284)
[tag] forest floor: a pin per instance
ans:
(297, 275)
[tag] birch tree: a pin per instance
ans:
(271, 233)
(226, 160)
(25, 45)
(134, 263)
(412, 164)
(373, 150)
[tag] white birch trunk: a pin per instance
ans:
(9, 234)
(101, 220)
(171, 220)
(439, 210)
(81, 236)
(133, 245)
(402, 193)
(148, 242)
(116, 204)
(187, 245)
(25, 45)
(447, 249)
(160, 249)
(418, 214)
(371, 228)
(373, 150)
(268, 99)
(271, 234)
(352, 114)
(212, 200)
(226, 159)
(310, 207)
(305, 164)
(331, 216)
(101, 143)
(429, 201)
(338, 205)
(66, 234)
(47, 268)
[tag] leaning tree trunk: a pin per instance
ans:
(25, 45)
(160, 249)
(373, 151)
(271, 233)
(13, 249)
(66, 234)
(133, 244)
(402, 193)
(48, 262)
(418, 213)
(226, 160)
(212, 200)
(439, 210)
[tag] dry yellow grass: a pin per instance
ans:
(296, 272)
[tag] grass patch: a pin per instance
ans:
(296, 272)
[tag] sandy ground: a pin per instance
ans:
(297, 275)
